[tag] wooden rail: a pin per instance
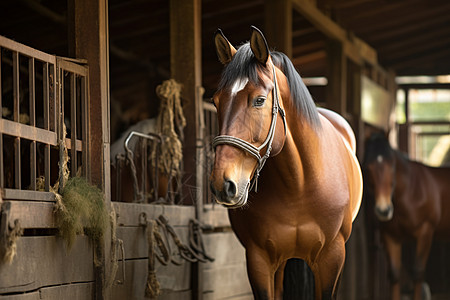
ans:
(35, 87)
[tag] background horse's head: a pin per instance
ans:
(379, 163)
(246, 99)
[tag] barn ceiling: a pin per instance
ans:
(410, 37)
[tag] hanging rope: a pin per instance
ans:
(152, 288)
(116, 246)
(170, 124)
(8, 245)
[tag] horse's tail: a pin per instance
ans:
(298, 281)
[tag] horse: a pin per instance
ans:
(309, 192)
(412, 201)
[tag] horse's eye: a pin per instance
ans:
(258, 102)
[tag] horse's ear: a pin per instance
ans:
(225, 51)
(259, 46)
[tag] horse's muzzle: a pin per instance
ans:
(384, 213)
(229, 196)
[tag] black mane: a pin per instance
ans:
(245, 65)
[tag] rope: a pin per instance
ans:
(196, 239)
(170, 114)
(116, 245)
(156, 241)
(64, 171)
(9, 246)
(152, 288)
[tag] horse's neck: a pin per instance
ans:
(402, 173)
(300, 156)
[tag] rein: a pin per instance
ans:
(248, 147)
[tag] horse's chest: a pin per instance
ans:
(282, 237)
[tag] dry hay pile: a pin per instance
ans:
(81, 210)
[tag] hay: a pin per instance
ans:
(81, 209)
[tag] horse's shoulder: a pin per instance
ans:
(346, 132)
(341, 125)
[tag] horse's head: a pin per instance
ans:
(248, 105)
(380, 165)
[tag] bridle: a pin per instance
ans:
(248, 147)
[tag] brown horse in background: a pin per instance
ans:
(412, 200)
(309, 191)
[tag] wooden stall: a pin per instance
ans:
(75, 75)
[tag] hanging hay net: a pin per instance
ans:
(170, 124)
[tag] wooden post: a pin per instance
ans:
(337, 78)
(357, 124)
(88, 39)
(185, 67)
(278, 25)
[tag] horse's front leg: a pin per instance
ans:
(394, 251)
(279, 277)
(260, 274)
(328, 268)
(423, 246)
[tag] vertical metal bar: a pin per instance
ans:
(16, 113)
(2, 175)
(46, 89)
(31, 88)
(73, 124)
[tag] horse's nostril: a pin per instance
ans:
(229, 188)
(384, 213)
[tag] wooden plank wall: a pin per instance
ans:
(44, 268)
(174, 280)
(225, 278)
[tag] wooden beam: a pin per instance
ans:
(308, 58)
(423, 58)
(337, 78)
(419, 43)
(279, 33)
(355, 49)
(89, 39)
(319, 20)
(185, 65)
(397, 32)
(186, 68)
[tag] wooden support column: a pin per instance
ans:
(278, 25)
(337, 78)
(185, 67)
(88, 39)
(358, 124)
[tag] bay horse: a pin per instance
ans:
(412, 201)
(309, 191)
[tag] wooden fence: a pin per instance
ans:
(38, 94)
